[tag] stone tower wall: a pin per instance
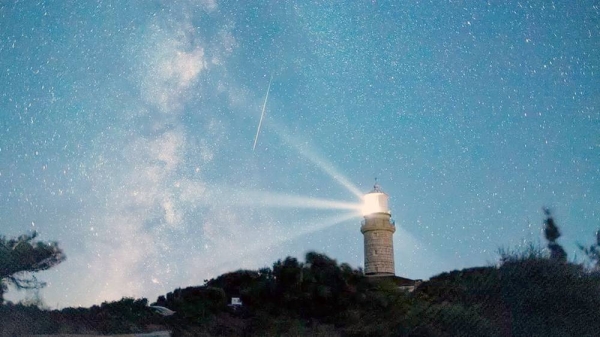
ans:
(379, 245)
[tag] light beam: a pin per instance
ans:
(235, 196)
(316, 159)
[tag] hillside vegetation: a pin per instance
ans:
(529, 293)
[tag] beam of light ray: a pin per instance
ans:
(320, 225)
(319, 161)
(416, 253)
(253, 245)
(276, 200)
(268, 199)
(282, 235)
(262, 114)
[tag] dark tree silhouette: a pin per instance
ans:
(593, 252)
(21, 257)
(552, 233)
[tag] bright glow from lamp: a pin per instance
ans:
(375, 202)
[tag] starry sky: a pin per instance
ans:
(126, 133)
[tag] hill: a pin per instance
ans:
(522, 296)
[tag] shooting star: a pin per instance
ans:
(262, 114)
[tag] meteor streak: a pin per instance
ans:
(262, 114)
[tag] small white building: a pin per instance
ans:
(236, 302)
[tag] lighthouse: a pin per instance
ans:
(378, 229)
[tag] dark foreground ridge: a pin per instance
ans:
(526, 295)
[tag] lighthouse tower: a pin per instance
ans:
(378, 229)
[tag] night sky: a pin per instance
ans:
(126, 133)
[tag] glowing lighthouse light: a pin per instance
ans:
(375, 202)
